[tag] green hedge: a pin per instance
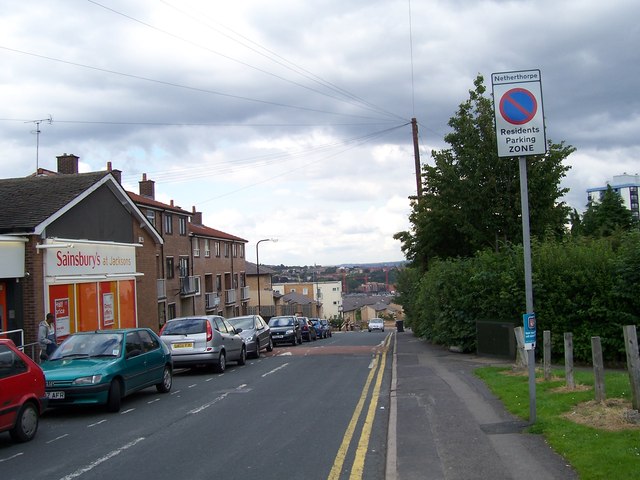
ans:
(587, 287)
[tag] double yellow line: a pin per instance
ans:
(363, 444)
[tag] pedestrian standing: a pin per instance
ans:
(47, 337)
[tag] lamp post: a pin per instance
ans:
(258, 266)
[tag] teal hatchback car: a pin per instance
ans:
(104, 366)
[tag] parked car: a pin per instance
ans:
(256, 333)
(104, 366)
(327, 327)
(207, 340)
(318, 327)
(285, 329)
(376, 324)
(306, 329)
(22, 392)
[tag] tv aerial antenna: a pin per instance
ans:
(49, 120)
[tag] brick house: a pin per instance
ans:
(79, 248)
(220, 268)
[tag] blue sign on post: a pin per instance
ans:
(529, 320)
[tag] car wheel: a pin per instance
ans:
(258, 347)
(167, 381)
(270, 346)
(26, 423)
(295, 341)
(221, 366)
(243, 356)
(115, 397)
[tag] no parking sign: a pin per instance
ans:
(517, 99)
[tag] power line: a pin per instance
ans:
(215, 52)
(186, 87)
(187, 174)
(280, 60)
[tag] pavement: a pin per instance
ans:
(445, 424)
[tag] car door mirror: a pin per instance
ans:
(238, 330)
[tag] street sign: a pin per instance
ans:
(517, 99)
(529, 321)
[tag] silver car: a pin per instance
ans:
(376, 324)
(203, 340)
(256, 333)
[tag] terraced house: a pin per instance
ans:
(96, 256)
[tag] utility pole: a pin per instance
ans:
(416, 156)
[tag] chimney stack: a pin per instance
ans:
(68, 164)
(147, 187)
(117, 174)
(196, 217)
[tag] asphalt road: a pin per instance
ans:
(315, 411)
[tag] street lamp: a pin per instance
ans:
(258, 266)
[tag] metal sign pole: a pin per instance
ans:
(528, 281)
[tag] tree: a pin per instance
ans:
(606, 217)
(471, 197)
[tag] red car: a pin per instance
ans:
(22, 397)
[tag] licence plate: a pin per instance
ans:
(182, 345)
(55, 395)
(278, 336)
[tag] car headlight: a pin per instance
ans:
(251, 338)
(289, 332)
(92, 380)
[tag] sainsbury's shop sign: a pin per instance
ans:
(90, 259)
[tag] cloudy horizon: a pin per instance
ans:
(290, 120)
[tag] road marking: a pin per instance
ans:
(275, 370)
(192, 385)
(334, 474)
(97, 423)
(58, 438)
(127, 411)
(108, 456)
(11, 457)
(365, 435)
(175, 392)
(207, 405)
(153, 401)
(376, 367)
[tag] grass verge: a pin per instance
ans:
(601, 446)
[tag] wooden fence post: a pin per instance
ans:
(568, 360)
(633, 363)
(521, 355)
(598, 369)
(546, 342)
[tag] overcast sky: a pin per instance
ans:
(290, 119)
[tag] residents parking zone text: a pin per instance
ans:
(518, 113)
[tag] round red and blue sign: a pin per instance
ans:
(518, 106)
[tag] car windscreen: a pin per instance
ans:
(89, 345)
(280, 322)
(186, 326)
(245, 323)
